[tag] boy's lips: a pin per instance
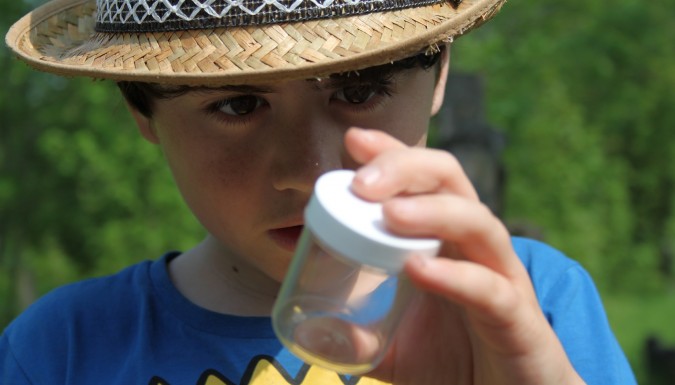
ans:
(286, 237)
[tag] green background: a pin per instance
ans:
(583, 91)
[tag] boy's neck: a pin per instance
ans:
(217, 280)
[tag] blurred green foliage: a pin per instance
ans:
(583, 89)
(81, 194)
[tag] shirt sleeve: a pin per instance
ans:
(11, 371)
(570, 301)
(576, 313)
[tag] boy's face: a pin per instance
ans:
(246, 158)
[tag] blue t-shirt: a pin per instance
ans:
(134, 327)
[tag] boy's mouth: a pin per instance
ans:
(286, 237)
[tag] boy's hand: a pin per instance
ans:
(478, 321)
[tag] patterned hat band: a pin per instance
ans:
(170, 15)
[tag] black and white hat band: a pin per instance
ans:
(169, 15)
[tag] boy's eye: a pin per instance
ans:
(357, 94)
(240, 105)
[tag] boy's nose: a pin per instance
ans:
(305, 151)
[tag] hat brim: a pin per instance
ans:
(59, 37)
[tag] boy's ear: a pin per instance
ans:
(145, 125)
(439, 90)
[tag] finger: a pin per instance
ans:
(467, 225)
(363, 145)
(516, 337)
(420, 170)
(412, 171)
(465, 283)
(503, 313)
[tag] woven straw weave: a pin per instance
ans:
(65, 43)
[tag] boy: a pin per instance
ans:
(250, 102)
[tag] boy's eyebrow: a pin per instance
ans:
(345, 80)
(243, 89)
(333, 82)
(321, 84)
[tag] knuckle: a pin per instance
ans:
(450, 160)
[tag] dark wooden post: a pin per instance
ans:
(464, 131)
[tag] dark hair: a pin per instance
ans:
(141, 95)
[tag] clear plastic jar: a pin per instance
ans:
(344, 292)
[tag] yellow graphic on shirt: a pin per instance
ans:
(269, 372)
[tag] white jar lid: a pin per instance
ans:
(354, 228)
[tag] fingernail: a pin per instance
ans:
(421, 261)
(367, 135)
(368, 175)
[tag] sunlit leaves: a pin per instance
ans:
(585, 91)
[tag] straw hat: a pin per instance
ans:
(198, 42)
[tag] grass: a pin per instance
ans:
(634, 318)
